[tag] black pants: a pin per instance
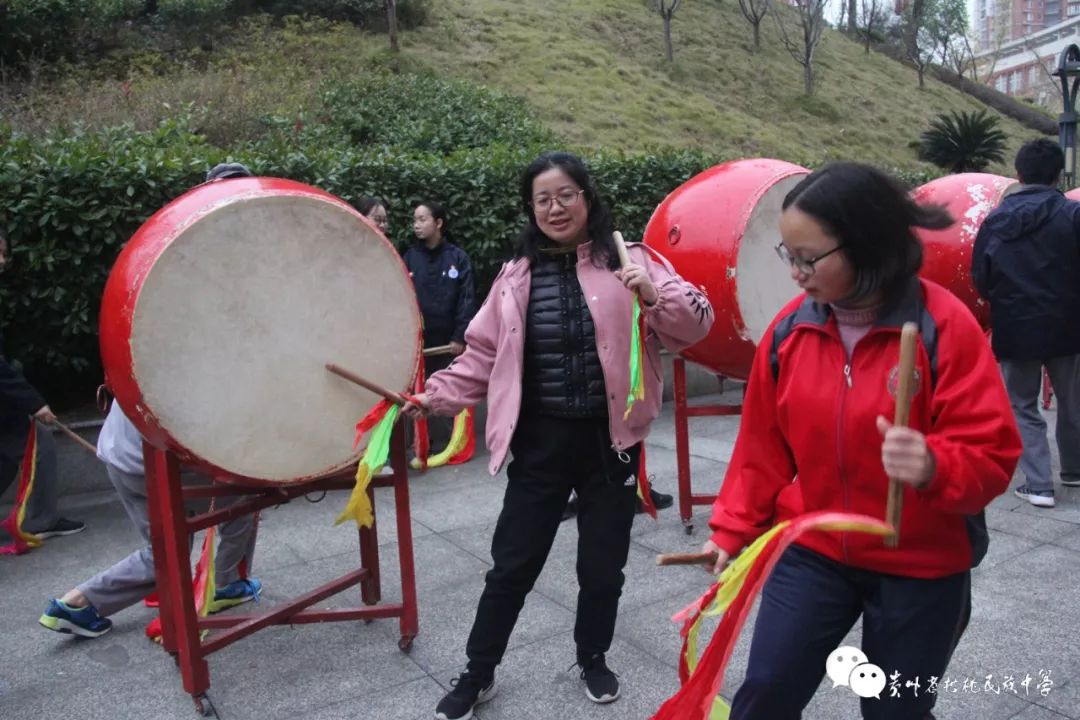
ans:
(439, 428)
(810, 603)
(551, 457)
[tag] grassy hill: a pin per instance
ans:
(593, 70)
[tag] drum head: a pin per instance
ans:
(240, 312)
(764, 284)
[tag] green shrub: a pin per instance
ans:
(963, 141)
(428, 114)
(72, 200)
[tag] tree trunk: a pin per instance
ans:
(869, 34)
(911, 39)
(808, 76)
(852, 16)
(667, 38)
(391, 23)
(757, 35)
(922, 76)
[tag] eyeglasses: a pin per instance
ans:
(803, 265)
(565, 198)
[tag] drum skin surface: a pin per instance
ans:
(969, 198)
(222, 310)
(719, 230)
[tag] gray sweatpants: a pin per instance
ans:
(132, 579)
(1023, 380)
(41, 512)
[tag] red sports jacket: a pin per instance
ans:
(808, 439)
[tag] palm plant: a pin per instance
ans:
(963, 141)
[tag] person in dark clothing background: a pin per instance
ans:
(1026, 263)
(443, 277)
(21, 404)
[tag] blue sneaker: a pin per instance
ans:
(236, 593)
(61, 617)
(1038, 498)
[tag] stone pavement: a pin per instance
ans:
(1026, 615)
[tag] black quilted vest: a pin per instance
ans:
(562, 375)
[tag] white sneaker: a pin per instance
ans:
(1038, 498)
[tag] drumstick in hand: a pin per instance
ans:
(352, 377)
(620, 247)
(894, 502)
(698, 558)
(437, 350)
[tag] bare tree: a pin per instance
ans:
(852, 16)
(913, 20)
(755, 11)
(667, 10)
(801, 35)
(872, 17)
(391, 23)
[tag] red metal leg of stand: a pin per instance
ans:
(1047, 390)
(370, 587)
(162, 576)
(682, 442)
(410, 623)
(193, 667)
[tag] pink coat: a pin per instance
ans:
(491, 366)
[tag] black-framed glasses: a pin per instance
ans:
(803, 265)
(565, 198)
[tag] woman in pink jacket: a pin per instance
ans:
(549, 351)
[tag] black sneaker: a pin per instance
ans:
(469, 690)
(601, 684)
(63, 526)
(661, 501)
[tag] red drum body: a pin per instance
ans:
(222, 311)
(719, 230)
(969, 197)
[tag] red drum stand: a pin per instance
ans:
(171, 530)
(683, 412)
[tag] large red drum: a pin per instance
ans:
(222, 311)
(720, 230)
(969, 198)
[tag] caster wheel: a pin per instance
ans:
(405, 645)
(688, 529)
(203, 707)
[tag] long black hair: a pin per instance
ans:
(871, 215)
(598, 226)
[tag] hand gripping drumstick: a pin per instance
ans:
(894, 502)
(397, 398)
(698, 558)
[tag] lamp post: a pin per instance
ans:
(1068, 71)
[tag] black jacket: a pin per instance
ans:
(562, 374)
(443, 279)
(1026, 263)
(18, 398)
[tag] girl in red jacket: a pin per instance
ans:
(814, 436)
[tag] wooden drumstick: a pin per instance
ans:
(75, 436)
(894, 502)
(437, 350)
(620, 247)
(698, 558)
(352, 377)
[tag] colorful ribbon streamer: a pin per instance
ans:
(21, 541)
(732, 596)
(380, 421)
